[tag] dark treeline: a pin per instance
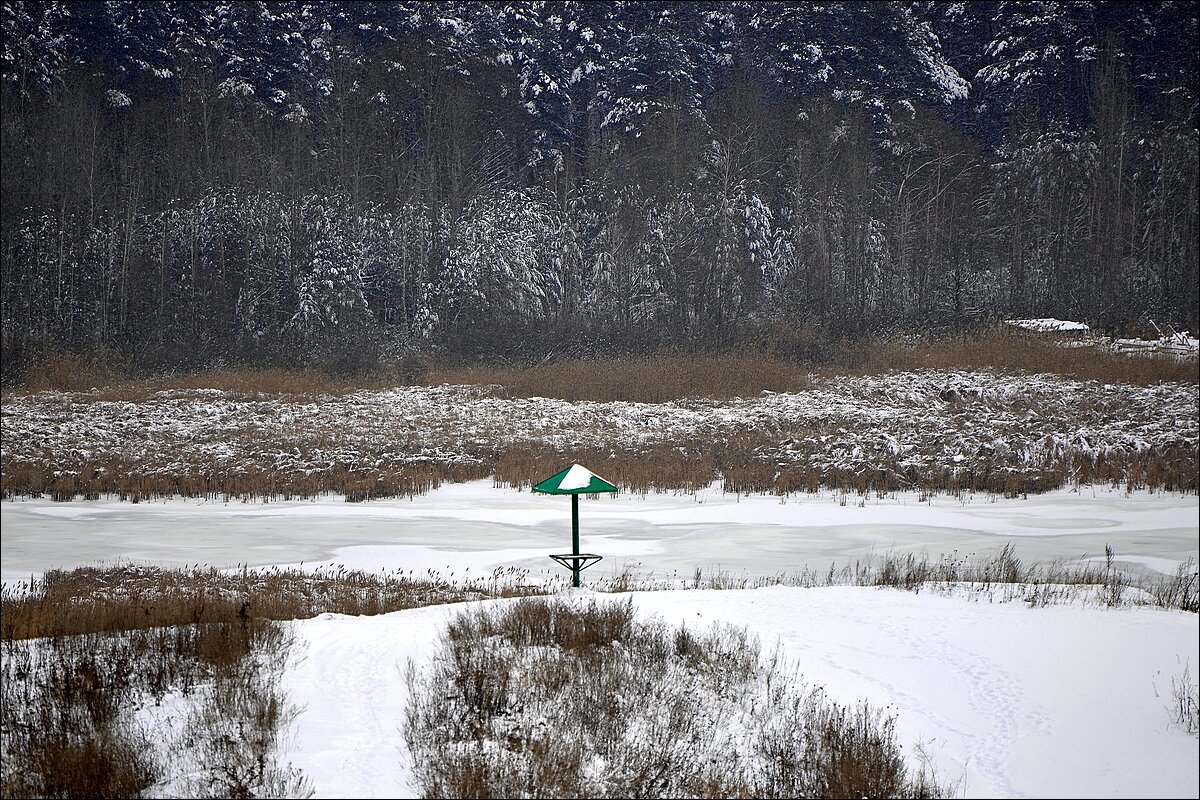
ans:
(191, 184)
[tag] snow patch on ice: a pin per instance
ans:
(1047, 325)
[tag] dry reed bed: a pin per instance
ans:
(131, 597)
(934, 430)
(663, 378)
(779, 360)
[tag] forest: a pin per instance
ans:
(195, 185)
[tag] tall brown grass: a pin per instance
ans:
(769, 365)
(657, 379)
(747, 373)
(73, 372)
(109, 378)
(134, 597)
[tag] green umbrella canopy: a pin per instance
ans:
(575, 479)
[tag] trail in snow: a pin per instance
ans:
(1017, 702)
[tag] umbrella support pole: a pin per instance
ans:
(575, 480)
(575, 538)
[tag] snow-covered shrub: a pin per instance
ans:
(579, 698)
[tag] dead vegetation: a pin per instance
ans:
(133, 597)
(96, 660)
(658, 379)
(779, 363)
(1185, 699)
(930, 430)
(108, 377)
(747, 373)
(91, 714)
(554, 698)
(999, 576)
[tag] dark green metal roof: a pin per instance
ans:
(575, 479)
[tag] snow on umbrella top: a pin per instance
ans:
(575, 479)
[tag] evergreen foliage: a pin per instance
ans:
(189, 184)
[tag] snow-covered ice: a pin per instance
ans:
(480, 526)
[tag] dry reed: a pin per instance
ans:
(133, 597)
(378, 452)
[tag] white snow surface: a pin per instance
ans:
(1061, 701)
(577, 477)
(1013, 701)
(1047, 324)
(480, 527)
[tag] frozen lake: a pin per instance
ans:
(480, 527)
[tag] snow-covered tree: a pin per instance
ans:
(504, 262)
(330, 281)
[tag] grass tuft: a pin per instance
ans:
(999, 576)
(1185, 698)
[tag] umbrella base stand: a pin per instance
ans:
(569, 560)
(576, 562)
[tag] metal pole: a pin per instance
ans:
(575, 538)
